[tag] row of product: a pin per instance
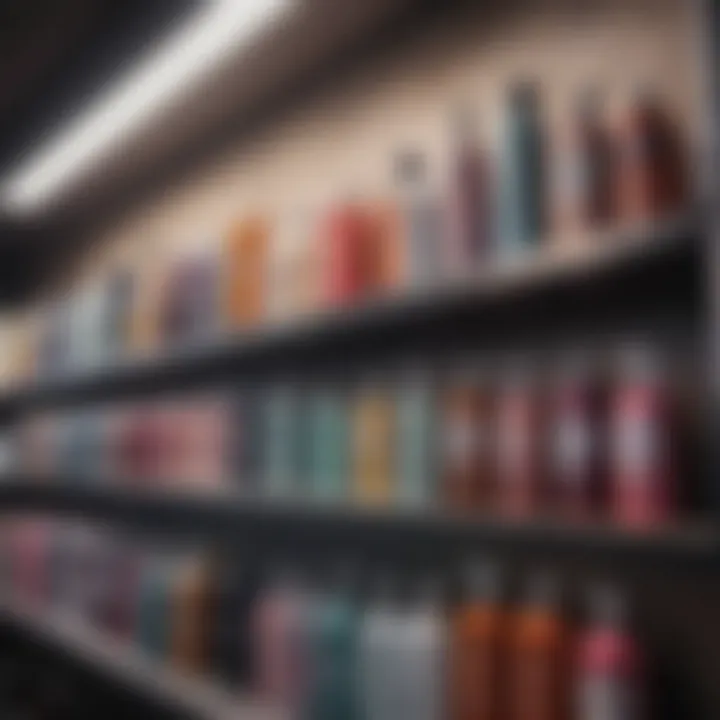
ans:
(267, 269)
(323, 647)
(578, 443)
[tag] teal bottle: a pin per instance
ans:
(154, 605)
(521, 198)
(332, 683)
(416, 442)
(328, 465)
(283, 446)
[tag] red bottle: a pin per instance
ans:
(610, 664)
(521, 468)
(642, 453)
(345, 255)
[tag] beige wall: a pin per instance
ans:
(341, 139)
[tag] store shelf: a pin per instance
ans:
(119, 662)
(314, 528)
(619, 260)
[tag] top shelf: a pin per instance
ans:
(614, 259)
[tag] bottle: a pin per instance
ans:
(468, 474)
(190, 604)
(381, 658)
(538, 686)
(610, 676)
(234, 594)
(334, 625)
(417, 465)
(282, 444)
(346, 256)
(469, 216)
(577, 417)
(422, 226)
(643, 454)
(582, 190)
(154, 613)
(279, 642)
(422, 666)
(374, 445)
(478, 648)
(246, 448)
(651, 179)
(245, 271)
(520, 443)
(521, 203)
(329, 445)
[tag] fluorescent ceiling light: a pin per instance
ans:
(182, 62)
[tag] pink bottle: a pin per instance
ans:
(642, 443)
(278, 646)
(610, 664)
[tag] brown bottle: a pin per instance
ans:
(190, 621)
(478, 649)
(467, 438)
(651, 163)
(582, 192)
(538, 687)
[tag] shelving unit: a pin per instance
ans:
(109, 657)
(685, 550)
(660, 279)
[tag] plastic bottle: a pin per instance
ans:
(610, 663)
(374, 444)
(423, 663)
(283, 441)
(521, 467)
(578, 424)
(469, 217)
(332, 684)
(539, 686)
(468, 473)
(417, 465)
(422, 221)
(582, 189)
(651, 179)
(522, 193)
(478, 650)
(329, 443)
(154, 613)
(245, 271)
(381, 659)
(643, 452)
(279, 646)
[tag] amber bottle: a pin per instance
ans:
(539, 687)
(478, 649)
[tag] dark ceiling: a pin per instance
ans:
(54, 55)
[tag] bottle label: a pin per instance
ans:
(637, 446)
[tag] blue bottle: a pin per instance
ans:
(521, 197)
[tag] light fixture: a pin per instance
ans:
(180, 63)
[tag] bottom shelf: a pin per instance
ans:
(189, 696)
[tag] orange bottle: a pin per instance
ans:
(246, 259)
(386, 252)
(190, 621)
(478, 648)
(538, 687)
